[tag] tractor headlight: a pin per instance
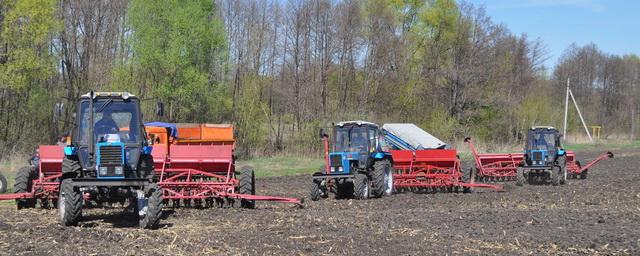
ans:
(103, 170)
(340, 169)
(118, 170)
(332, 169)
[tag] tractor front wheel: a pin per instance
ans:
(361, 186)
(556, 175)
(69, 203)
(154, 208)
(24, 184)
(247, 185)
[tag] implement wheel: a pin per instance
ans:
(361, 186)
(24, 184)
(69, 203)
(583, 175)
(520, 179)
(247, 186)
(314, 191)
(468, 176)
(3, 183)
(381, 177)
(154, 208)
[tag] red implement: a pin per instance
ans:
(496, 167)
(199, 167)
(436, 169)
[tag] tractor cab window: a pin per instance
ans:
(113, 121)
(542, 141)
(351, 139)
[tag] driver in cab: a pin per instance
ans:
(108, 127)
(358, 142)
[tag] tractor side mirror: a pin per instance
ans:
(58, 109)
(160, 109)
(323, 134)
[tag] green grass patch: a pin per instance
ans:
(604, 145)
(282, 165)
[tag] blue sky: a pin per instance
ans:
(613, 25)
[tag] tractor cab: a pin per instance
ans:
(543, 146)
(109, 138)
(355, 145)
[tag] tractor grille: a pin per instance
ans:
(335, 160)
(110, 155)
(536, 156)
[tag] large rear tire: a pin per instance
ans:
(247, 186)
(520, 178)
(3, 183)
(562, 162)
(69, 203)
(361, 186)
(24, 184)
(154, 208)
(381, 172)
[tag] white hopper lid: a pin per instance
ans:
(413, 135)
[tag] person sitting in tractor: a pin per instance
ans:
(358, 142)
(106, 125)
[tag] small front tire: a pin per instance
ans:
(361, 186)
(69, 203)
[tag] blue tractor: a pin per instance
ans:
(109, 160)
(544, 158)
(356, 166)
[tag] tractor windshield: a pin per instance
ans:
(351, 139)
(113, 121)
(542, 141)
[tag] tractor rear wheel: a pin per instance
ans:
(24, 184)
(69, 203)
(381, 173)
(247, 186)
(556, 175)
(3, 183)
(520, 179)
(154, 208)
(361, 186)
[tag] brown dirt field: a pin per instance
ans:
(600, 215)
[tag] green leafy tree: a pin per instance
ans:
(177, 51)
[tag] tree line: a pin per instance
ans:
(280, 70)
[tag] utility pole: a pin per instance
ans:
(566, 110)
(581, 119)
